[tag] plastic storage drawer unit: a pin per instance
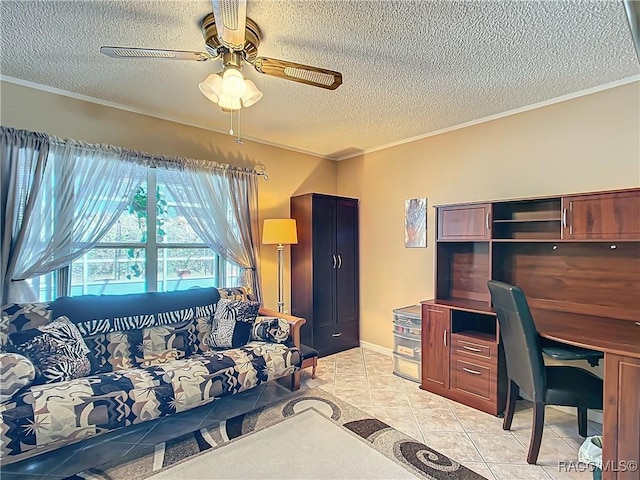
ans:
(407, 368)
(407, 354)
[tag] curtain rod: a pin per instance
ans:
(151, 159)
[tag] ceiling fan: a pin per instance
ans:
(231, 36)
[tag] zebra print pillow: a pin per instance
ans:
(232, 323)
(56, 350)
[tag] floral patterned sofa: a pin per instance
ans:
(148, 358)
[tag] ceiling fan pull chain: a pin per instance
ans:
(239, 140)
(231, 125)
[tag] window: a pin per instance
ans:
(150, 233)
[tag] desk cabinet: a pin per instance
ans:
(464, 222)
(621, 442)
(605, 216)
(436, 330)
(460, 357)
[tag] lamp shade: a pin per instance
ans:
(279, 231)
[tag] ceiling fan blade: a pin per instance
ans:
(231, 19)
(130, 52)
(633, 16)
(318, 77)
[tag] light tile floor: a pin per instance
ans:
(365, 379)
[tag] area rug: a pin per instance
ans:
(313, 435)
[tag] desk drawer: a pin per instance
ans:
(474, 348)
(477, 378)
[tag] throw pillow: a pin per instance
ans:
(270, 329)
(56, 350)
(16, 372)
(231, 323)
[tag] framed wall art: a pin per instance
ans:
(415, 222)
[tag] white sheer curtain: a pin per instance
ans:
(221, 205)
(23, 157)
(84, 190)
(244, 202)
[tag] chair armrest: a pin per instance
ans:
(294, 323)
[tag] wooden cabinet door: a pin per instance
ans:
(602, 216)
(324, 262)
(436, 340)
(464, 222)
(621, 442)
(347, 289)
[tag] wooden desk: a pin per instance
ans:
(620, 342)
(577, 259)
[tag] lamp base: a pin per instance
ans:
(280, 278)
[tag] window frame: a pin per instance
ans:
(152, 248)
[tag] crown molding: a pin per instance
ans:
(99, 101)
(545, 103)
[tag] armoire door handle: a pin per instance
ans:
(334, 261)
(339, 261)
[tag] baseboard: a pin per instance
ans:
(593, 415)
(376, 348)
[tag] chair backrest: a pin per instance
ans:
(521, 343)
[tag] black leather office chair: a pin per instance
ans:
(546, 385)
(561, 351)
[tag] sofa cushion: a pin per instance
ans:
(165, 343)
(22, 316)
(232, 323)
(123, 331)
(53, 414)
(16, 372)
(56, 350)
(270, 329)
(95, 314)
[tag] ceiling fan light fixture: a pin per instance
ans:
(233, 83)
(252, 95)
(227, 102)
(211, 87)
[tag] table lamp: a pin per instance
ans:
(280, 232)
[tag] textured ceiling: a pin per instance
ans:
(409, 67)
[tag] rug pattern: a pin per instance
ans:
(418, 458)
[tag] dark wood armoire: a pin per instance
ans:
(324, 271)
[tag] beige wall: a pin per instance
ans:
(289, 172)
(586, 144)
